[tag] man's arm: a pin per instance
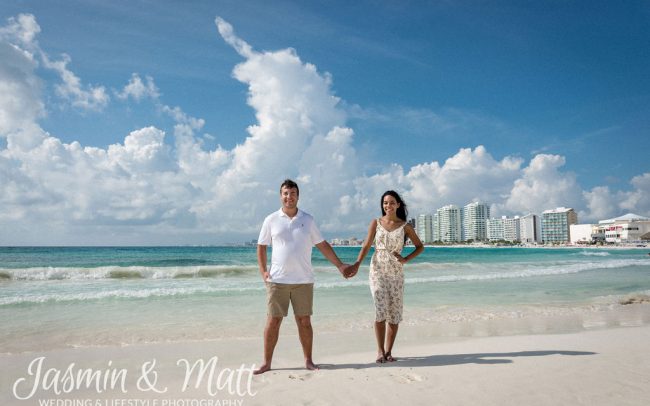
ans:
(261, 262)
(328, 252)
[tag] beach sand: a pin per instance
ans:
(596, 367)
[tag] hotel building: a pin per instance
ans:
(474, 221)
(556, 225)
(494, 229)
(585, 233)
(449, 224)
(625, 229)
(511, 229)
(529, 229)
(424, 228)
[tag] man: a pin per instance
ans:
(291, 233)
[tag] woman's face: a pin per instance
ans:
(390, 204)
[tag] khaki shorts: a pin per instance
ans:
(279, 295)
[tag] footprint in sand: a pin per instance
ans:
(304, 377)
(408, 378)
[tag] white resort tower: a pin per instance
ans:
(449, 223)
(475, 216)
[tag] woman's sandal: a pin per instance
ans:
(389, 358)
(381, 360)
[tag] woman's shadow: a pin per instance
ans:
(457, 359)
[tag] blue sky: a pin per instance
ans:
(416, 82)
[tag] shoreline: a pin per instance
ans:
(441, 323)
(598, 367)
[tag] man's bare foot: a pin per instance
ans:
(309, 364)
(262, 369)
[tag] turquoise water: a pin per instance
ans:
(61, 297)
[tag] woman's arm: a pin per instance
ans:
(367, 243)
(412, 235)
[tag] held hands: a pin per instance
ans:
(349, 271)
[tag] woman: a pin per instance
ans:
(388, 233)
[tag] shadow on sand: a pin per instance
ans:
(455, 359)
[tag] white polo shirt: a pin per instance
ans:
(291, 240)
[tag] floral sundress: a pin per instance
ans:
(387, 274)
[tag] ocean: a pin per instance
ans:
(62, 297)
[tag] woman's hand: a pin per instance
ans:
(351, 270)
(400, 258)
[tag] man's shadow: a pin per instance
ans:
(456, 359)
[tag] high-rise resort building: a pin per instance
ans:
(474, 221)
(424, 228)
(529, 229)
(449, 223)
(556, 225)
(436, 227)
(511, 229)
(494, 229)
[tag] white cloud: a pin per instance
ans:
(227, 33)
(469, 175)
(20, 88)
(72, 90)
(639, 197)
(138, 90)
(543, 186)
(153, 184)
(21, 31)
(181, 118)
(601, 204)
(300, 133)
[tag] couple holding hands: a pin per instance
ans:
(290, 279)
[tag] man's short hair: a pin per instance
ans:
(289, 184)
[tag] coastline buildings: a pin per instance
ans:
(474, 219)
(585, 233)
(494, 229)
(511, 229)
(424, 228)
(505, 228)
(346, 242)
(449, 223)
(556, 225)
(529, 229)
(628, 228)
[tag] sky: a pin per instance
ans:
(166, 123)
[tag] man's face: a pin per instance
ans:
(289, 197)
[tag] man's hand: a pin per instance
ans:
(351, 270)
(266, 276)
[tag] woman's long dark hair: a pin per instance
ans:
(402, 212)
